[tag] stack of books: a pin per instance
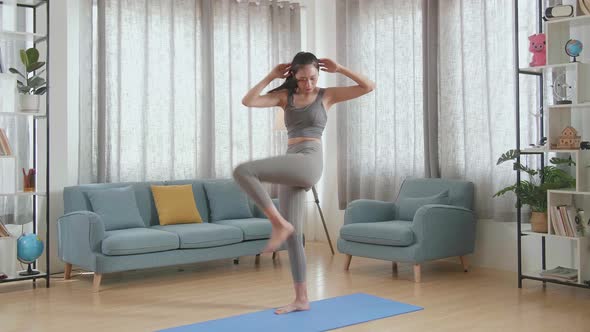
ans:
(561, 273)
(563, 221)
(5, 149)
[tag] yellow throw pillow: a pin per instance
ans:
(176, 204)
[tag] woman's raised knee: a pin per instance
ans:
(241, 171)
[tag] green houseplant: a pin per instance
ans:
(533, 192)
(30, 84)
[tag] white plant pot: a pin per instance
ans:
(8, 261)
(29, 103)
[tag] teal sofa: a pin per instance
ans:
(431, 219)
(114, 227)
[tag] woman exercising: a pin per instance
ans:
(305, 106)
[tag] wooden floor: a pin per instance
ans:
(480, 300)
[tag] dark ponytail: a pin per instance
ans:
(290, 84)
(300, 59)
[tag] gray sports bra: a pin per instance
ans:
(308, 121)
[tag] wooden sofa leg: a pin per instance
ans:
(257, 260)
(96, 283)
(417, 273)
(68, 271)
(394, 267)
(465, 263)
(347, 262)
(275, 255)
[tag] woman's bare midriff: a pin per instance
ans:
(296, 140)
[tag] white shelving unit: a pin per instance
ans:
(23, 36)
(557, 117)
(11, 182)
(580, 259)
(25, 114)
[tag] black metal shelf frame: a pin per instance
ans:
(34, 6)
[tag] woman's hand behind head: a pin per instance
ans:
(281, 71)
(329, 65)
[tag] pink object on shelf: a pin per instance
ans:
(537, 47)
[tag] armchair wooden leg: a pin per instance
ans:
(347, 262)
(465, 263)
(68, 271)
(96, 283)
(275, 255)
(257, 260)
(417, 273)
(394, 267)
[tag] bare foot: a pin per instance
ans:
(278, 235)
(295, 306)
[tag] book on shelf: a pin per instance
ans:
(561, 273)
(569, 231)
(5, 149)
(577, 229)
(3, 230)
(556, 221)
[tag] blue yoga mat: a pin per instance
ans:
(324, 315)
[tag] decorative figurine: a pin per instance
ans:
(562, 90)
(569, 139)
(537, 47)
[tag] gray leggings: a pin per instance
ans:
(296, 172)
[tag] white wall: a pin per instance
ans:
(64, 110)
(496, 248)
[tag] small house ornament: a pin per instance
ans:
(569, 139)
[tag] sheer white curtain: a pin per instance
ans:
(168, 83)
(476, 95)
(381, 135)
(469, 118)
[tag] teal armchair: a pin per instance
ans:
(431, 219)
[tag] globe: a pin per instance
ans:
(573, 48)
(29, 247)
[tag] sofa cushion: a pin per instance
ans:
(176, 204)
(388, 233)
(407, 206)
(199, 196)
(117, 207)
(253, 228)
(137, 241)
(203, 235)
(461, 193)
(227, 200)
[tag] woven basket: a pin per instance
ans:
(539, 222)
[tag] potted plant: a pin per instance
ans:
(30, 84)
(533, 192)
